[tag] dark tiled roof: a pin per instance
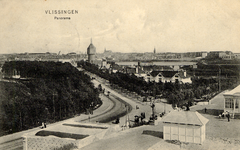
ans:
(164, 73)
(155, 73)
(169, 73)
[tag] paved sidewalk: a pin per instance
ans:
(219, 135)
(107, 104)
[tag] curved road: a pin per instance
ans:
(116, 109)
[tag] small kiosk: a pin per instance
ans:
(185, 126)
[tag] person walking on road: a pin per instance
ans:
(228, 116)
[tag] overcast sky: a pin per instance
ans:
(120, 26)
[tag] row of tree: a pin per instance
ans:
(176, 93)
(50, 91)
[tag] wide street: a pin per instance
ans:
(111, 107)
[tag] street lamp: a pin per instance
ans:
(153, 113)
(127, 117)
(90, 110)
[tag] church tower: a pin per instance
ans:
(91, 51)
(154, 51)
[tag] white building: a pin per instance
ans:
(231, 102)
(167, 76)
(204, 54)
(185, 126)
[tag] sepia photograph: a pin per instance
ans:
(120, 75)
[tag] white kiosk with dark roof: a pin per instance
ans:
(185, 126)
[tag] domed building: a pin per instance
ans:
(91, 51)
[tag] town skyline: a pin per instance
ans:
(120, 26)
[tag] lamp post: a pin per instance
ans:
(153, 114)
(164, 108)
(90, 111)
(127, 123)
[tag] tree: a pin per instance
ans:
(51, 87)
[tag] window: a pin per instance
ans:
(229, 103)
(236, 104)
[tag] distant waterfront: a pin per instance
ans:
(158, 63)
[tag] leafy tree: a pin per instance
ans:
(53, 90)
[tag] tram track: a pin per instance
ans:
(118, 109)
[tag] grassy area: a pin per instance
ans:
(61, 134)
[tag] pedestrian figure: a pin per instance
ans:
(205, 109)
(141, 117)
(42, 125)
(223, 115)
(45, 126)
(117, 121)
(160, 114)
(137, 107)
(187, 108)
(228, 116)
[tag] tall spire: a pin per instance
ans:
(91, 40)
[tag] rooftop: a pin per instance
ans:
(185, 117)
(164, 73)
(234, 92)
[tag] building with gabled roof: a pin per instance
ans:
(185, 126)
(167, 76)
